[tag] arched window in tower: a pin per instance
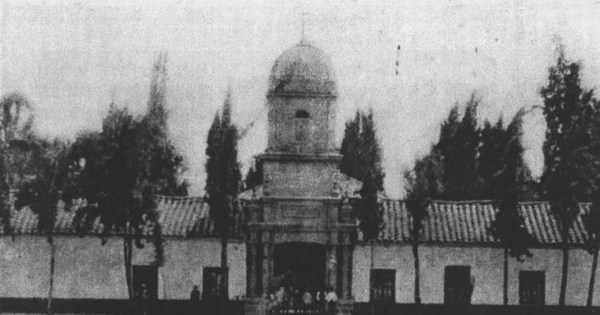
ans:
(302, 123)
(302, 114)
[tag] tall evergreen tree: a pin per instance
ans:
(508, 226)
(424, 183)
(223, 181)
(566, 138)
(123, 167)
(361, 159)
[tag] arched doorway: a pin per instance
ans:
(300, 266)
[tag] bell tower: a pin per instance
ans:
(301, 158)
(301, 98)
(302, 206)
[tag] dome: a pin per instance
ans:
(302, 69)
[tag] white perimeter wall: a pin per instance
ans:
(86, 269)
(486, 267)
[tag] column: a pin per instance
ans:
(267, 257)
(332, 266)
(345, 265)
(251, 265)
(347, 272)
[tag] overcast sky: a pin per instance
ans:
(72, 57)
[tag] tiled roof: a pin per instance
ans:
(469, 223)
(178, 216)
(460, 223)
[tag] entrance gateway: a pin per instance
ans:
(300, 266)
(301, 221)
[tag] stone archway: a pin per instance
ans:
(301, 266)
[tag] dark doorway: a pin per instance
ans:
(457, 285)
(145, 282)
(300, 266)
(212, 283)
(532, 287)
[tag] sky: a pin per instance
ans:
(71, 58)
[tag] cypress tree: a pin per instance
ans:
(508, 225)
(223, 181)
(361, 159)
(566, 139)
(424, 183)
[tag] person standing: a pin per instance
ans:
(307, 300)
(194, 300)
(330, 301)
(195, 295)
(141, 298)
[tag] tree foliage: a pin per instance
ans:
(222, 167)
(14, 130)
(424, 183)
(490, 161)
(508, 225)
(48, 177)
(223, 178)
(120, 170)
(567, 141)
(254, 177)
(369, 214)
(361, 159)
(471, 157)
(350, 150)
(361, 151)
(459, 143)
(592, 219)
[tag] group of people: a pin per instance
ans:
(287, 298)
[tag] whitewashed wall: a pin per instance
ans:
(86, 269)
(486, 267)
(23, 267)
(384, 257)
(550, 260)
(186, 260)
